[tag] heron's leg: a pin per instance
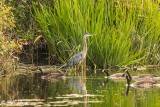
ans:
(78, 68)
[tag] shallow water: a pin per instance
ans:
(79, 91)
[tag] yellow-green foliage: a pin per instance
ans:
(7, 49)
(7, 21)
(7, 45)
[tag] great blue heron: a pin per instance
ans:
(79, 57)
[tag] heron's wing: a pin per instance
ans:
(76, 59)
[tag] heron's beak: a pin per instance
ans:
(91, 34)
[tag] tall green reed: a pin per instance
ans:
(127, 32)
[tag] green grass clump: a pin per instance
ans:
(127, 32)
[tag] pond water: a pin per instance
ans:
(94, 90)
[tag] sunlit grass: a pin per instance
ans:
(127, 32)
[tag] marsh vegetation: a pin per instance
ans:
(48, 32)
(126, 32)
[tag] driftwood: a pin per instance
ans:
(30, 68)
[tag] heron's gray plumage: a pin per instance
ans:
(79, 57)
(75, 60)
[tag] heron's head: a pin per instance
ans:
(86, 35)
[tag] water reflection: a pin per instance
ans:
(95, 90)
(79, 86)
(20, 87)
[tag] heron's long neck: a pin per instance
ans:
(84, 44)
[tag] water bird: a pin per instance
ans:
(77, 59)
(145, 77)
(116, 76)
(51, 76)
(143, 84)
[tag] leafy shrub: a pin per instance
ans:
(7, 45)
